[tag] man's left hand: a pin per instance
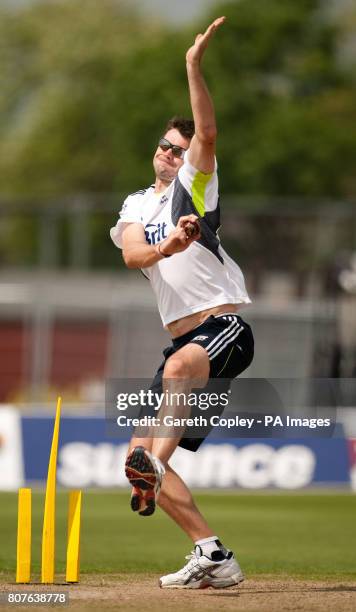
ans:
(196, 52)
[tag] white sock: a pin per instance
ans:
(208, 545)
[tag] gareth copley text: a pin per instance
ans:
(221, 421)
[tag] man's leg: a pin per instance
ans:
(186, 368)
(210, 563)
(176, 499)
(190, 363)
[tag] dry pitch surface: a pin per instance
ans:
(262, 594)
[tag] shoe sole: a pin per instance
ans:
(141, 475)
(226, 583)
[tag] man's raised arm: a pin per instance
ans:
(202, 146)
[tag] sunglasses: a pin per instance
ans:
(176, 150)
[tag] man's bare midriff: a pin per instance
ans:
(186, 324)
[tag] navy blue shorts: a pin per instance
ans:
(229, 343)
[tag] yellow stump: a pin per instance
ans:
(49, 520)
(23, 566)
(73, 542)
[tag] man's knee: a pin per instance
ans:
(176, 367)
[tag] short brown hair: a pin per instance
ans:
(184, 126)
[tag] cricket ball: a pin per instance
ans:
(192, 228)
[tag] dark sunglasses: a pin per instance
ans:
(176, 150)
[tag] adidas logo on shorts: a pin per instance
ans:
(200, 338)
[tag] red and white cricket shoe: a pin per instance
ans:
(145, 473)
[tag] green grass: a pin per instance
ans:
(299, 534)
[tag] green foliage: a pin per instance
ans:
(58, 70)
(148, 89)
(87, 88)
(284, 101)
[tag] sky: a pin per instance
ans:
(175, 11)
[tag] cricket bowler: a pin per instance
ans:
(169, 231)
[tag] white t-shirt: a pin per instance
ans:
(202, 276)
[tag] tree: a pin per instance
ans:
(86, 90)
(58, 67)
(286, 107)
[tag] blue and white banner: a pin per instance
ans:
(88, 458)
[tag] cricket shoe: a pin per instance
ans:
(145, 473)
(202, 572)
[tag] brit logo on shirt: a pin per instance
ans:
(155, 233)
(163, 199)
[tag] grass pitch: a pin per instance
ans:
(301, 535)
